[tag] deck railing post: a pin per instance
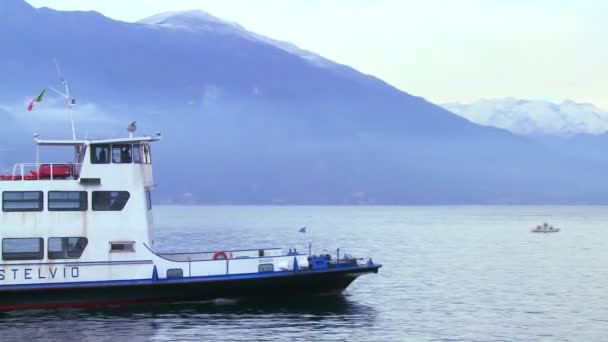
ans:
(338, 253)
(189, 267)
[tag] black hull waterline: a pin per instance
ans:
(292, 284)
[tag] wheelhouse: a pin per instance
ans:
(84, 153)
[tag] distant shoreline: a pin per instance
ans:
(378, 205)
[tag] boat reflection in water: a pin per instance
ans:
(259, 319)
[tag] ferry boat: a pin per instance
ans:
(78, 234)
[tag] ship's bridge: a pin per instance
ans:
(91, 155)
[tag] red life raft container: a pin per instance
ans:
(9, 177)
(55, 170)
(33, 175)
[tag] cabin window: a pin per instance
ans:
(175, 273)
(67, 201)
(137, 159)
(22, 201)
(66, 247)
(123, 246)
(146, 154)
(110, 200)
(149, 199)
(100, 154)
(23, 249)
(121, 154)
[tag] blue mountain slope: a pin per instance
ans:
(251, 120)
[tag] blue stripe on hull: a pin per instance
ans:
(151, 281)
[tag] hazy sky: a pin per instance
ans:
(444, 50)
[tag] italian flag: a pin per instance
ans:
(37, 99)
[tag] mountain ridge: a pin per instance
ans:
(246, 122)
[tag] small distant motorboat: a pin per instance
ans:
(545, 228)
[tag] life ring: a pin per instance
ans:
(220, 256)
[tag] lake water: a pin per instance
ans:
(450, 274)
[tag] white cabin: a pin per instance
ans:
(89, 221)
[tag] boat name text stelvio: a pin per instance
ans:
(39, 273)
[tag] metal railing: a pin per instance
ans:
(229, 254)
(43, 171)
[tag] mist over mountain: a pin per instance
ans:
(248, 119)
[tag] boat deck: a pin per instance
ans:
(236, 254)
(42, 171)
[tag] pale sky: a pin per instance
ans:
(443, 50)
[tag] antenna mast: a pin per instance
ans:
(66, 95)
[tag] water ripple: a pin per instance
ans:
(451, 274)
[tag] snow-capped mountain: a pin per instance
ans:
(535, 117)
(195, 20)
(199, 20)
